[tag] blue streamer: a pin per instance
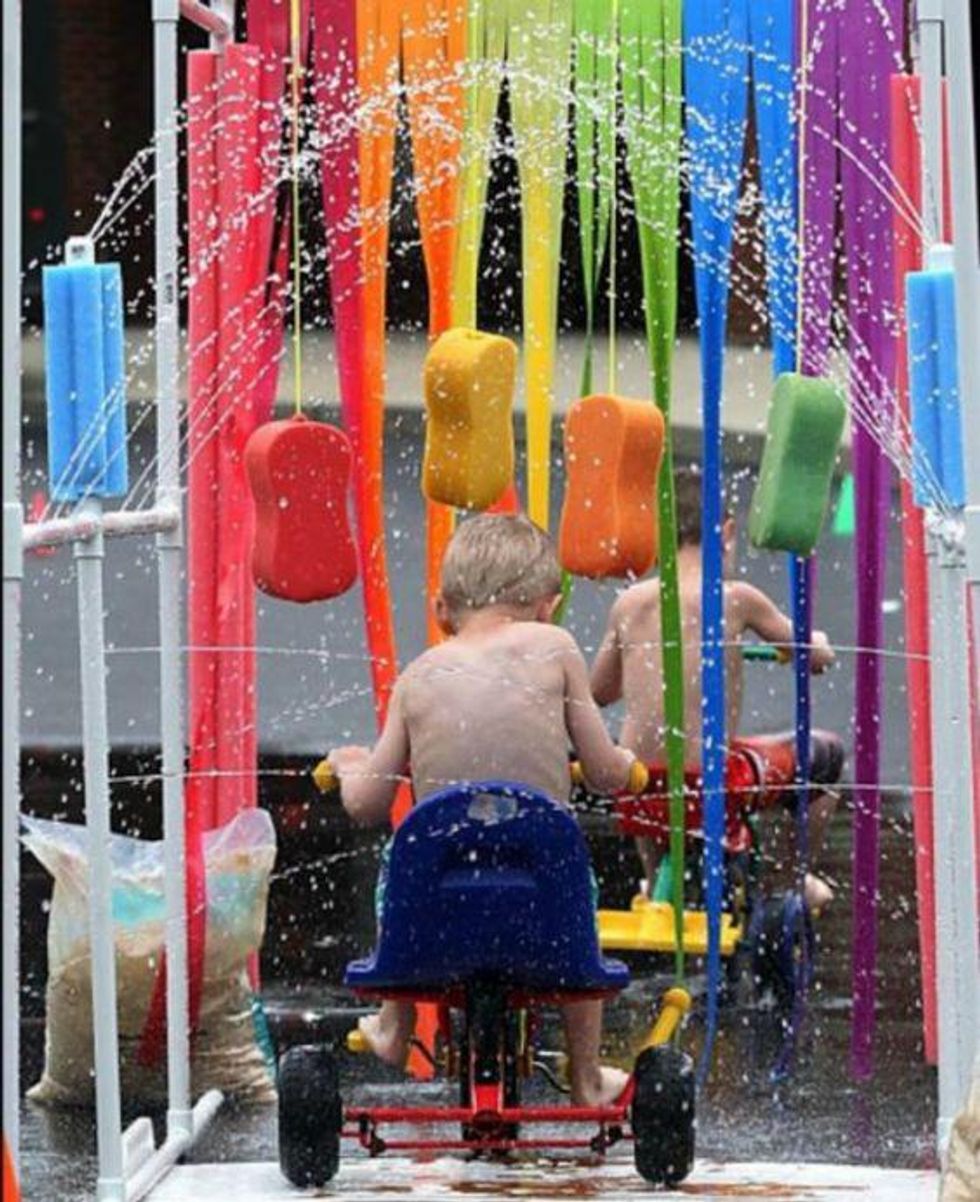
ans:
(718, 39)
(716, 63)
(772, 35)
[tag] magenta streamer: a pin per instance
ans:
(853, 51)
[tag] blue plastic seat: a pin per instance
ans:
(488, 881)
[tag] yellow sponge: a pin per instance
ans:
(469, 436)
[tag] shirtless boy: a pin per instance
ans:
(629, 666)
(505, 695)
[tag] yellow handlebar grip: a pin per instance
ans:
(325, 778)
(677, 1002)
(577, 775)
(639, 777)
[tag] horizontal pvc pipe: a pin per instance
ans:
(81, 526)
(155, 1167)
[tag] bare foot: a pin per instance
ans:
(389, 1032)
(816, 893)
(603, 1087)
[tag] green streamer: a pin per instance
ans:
(486, 37)
(595, 64)
(650, 51)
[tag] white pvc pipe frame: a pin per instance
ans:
(139, 1166)
(954, 561)
(129, 1164)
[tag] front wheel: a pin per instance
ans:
(311, 1115)
(662, 1115)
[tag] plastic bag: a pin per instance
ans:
(238, 860)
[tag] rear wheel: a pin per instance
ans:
(662, 1115)
(490, 1054)
(310, 1116)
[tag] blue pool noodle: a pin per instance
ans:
(85, 372)
(933, 386)
(114, 368)
(948, 419)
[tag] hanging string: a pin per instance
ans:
(613, 84)
(295, 74)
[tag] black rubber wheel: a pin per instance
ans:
(662, 1115)
(311, 1115)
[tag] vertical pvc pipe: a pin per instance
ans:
(964, 166)
(13, 569)
(89, 559)
(169, 567)
(956, 879)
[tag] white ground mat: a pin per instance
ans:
(362, 1180)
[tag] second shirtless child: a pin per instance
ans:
(506, 695)
(629, 666)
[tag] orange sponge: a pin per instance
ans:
(613, 449)
(469, 437)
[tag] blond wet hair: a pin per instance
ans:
(498, 559)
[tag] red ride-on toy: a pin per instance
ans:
(488, 913)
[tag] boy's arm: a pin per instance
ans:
(369, 780)
(606, 767)
(607, 670)
(761, 615)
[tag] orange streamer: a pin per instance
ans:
(433, 48)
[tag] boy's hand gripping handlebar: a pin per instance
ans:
(637, 781)
(326, 779)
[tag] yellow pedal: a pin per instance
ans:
(356, 1042)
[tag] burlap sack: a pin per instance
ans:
(225, 1054)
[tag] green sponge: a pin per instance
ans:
(806, 421)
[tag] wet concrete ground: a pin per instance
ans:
(314, 692)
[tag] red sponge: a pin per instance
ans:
(299, 472)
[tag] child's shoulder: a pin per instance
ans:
(637, 597)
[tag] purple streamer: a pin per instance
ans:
(853, 51)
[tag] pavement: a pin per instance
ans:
(555, 1181)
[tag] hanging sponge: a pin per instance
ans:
(299, 472)
(469, 437)
(613, 449)
(85, 379)
(933, 382)
(806, 422)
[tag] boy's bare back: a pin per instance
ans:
(489, 705)
(633, 648)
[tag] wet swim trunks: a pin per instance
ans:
(759, 773)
